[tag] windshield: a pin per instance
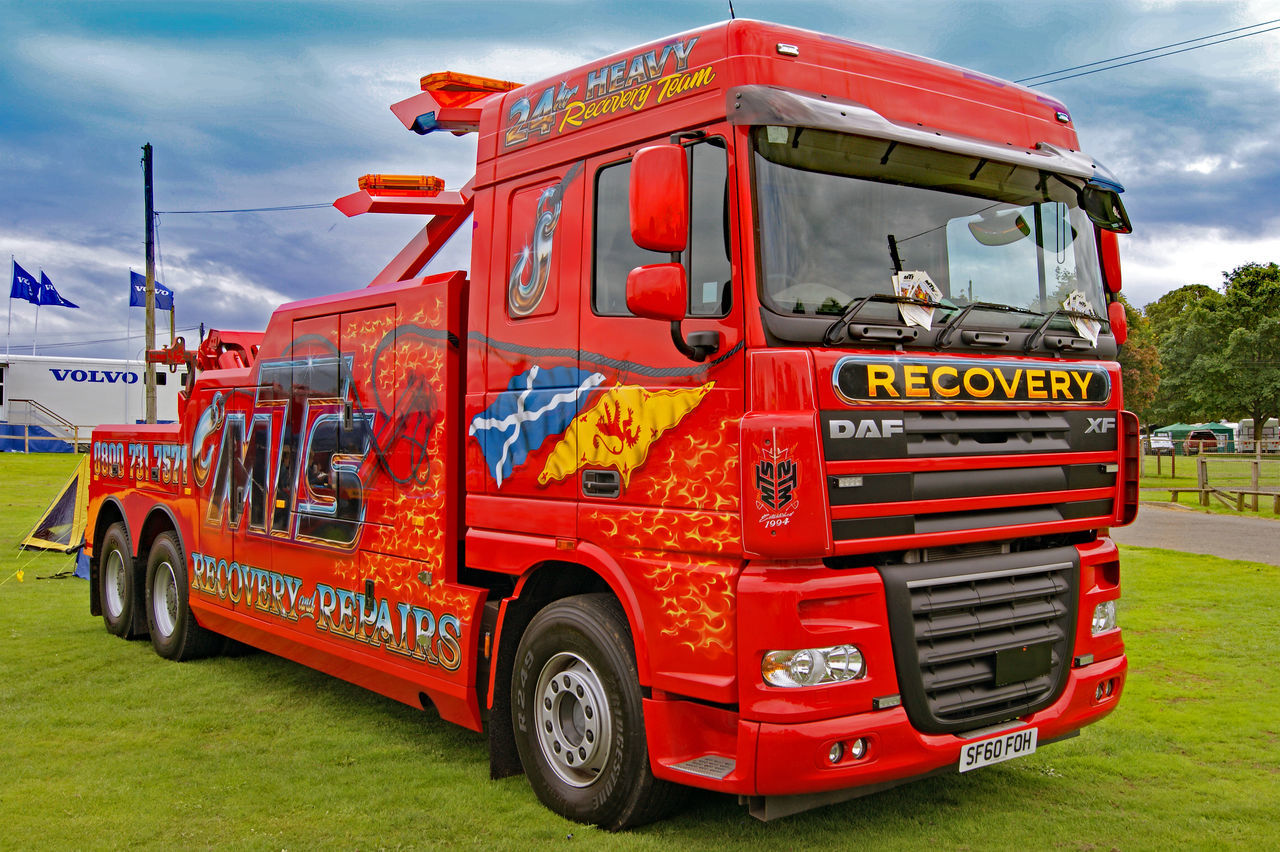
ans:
(839, 215)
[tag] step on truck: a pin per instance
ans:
(769, 445)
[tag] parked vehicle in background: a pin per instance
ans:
(50, 404)
(1200, 441)
(1270, 437)
(1160, 445)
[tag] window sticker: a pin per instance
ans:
(1085, 327)
(916, 285)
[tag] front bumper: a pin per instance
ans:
(777, 742)
(790, 759)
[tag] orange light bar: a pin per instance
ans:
(451, 89)
(404, 185)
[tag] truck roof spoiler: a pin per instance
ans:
(764, 105)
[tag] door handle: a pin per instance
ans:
(601, 483)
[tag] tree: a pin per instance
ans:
(1170, 310)
(1222, 353)
(1139, 364)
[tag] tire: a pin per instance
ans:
(174, 632)
(577, 716)
(119, 583)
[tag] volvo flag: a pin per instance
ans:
(24, 285)
(48, 294)
(138, 293)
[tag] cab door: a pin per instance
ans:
(655, 452)
(534, 386)
(659, 434)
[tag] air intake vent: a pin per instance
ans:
(982, 640)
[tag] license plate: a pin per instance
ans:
(995, 749)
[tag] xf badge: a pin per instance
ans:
(1100, 425)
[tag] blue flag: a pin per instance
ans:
(138, 293)
(24, 286)
(537, 405)
(49, 295)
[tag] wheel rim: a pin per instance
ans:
(575, 725)
(164, 598)
(113, 577)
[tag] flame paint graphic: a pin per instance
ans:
(691, 576)
(697, 470)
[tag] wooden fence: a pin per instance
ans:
(1232, 480)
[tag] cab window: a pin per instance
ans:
(706, 260)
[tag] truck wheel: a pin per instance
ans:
(578, 718)
(118, 582)
(174, 632)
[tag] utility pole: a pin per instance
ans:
(151, 281)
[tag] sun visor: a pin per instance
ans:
(770, 105)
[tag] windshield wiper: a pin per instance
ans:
(944, 334)
(1033, 339)
(832, 335)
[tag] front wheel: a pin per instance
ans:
(578, 718)
(174, 632)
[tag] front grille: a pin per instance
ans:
(946, 433)
(1050, 465)
(984, 639)
(902, 434)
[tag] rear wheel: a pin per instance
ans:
(578, 718)
(174, 632)
(118, 586)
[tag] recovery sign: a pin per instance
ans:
(863, 378)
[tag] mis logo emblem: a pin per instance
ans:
(777, 476)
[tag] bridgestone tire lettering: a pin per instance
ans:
(585, 640)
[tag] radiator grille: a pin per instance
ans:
(1068, 487)
(982, 640)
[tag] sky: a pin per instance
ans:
(264, 104)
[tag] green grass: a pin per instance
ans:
(105, 745)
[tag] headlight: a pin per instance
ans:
(1104, 617)
(813, 666)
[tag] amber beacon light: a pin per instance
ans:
(406, 185)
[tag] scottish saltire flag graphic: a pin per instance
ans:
(49, 295)
(24, 285)
(537, 404)
(138, 293)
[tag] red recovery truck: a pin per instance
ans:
(769, 446)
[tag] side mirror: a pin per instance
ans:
(658, 292)
(1119, 322)
(1103, 207)
(660, 198)
(1109, 247)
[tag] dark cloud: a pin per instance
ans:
(261, 104)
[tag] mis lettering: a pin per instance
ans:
(292, 458)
